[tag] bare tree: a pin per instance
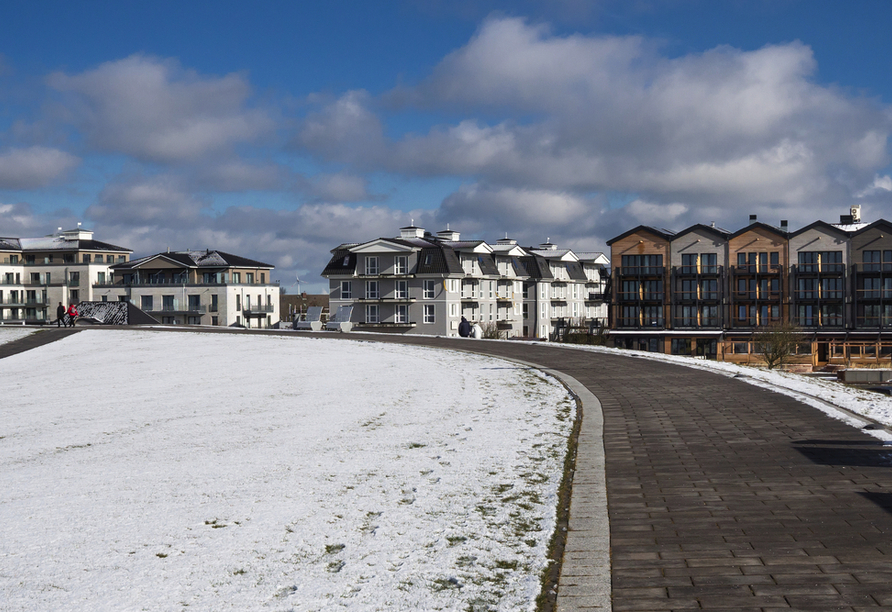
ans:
(777, 341)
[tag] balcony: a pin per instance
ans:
(641, 270)
(749, 269)
(261, 308)
(635, 323)
(834, 269)
(386, 325)
(386, 300)
(176, 308)
(697, 271)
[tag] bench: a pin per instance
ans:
(312, 320)
(341, 320)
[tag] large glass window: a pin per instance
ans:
(401, 264)
(146, 302)
(371, 290)
(401, 290)
(400, 314)
(430, 289)
(371, 313)
(346, 290)
(429, 313)
(371, 265)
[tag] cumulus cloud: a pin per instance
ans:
(145, 202)
(724, 130)
(157, 111)
(32, 167)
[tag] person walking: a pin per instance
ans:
(464, 328)
(60, 315)
(72, 314)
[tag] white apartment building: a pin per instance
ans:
(36, 274)
(197, 288)
(424, 283)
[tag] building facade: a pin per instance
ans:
(36, 274)
(707, 291)
(424, 283)
(197, 288)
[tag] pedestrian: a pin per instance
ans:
(60, 315)
(464, 328)
(477, 331)
(72, 314)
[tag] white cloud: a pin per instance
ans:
(879, 185)
(32, 167)
(156, 111)
(580, 114)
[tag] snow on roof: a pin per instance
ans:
(850, 227)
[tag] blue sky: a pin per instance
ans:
(278, 130)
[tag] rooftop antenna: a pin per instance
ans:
(78, 223)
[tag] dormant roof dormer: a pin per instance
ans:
(411, 231)
(506, 240)
(448, 234)
(547, 246)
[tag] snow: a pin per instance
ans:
(161, 471)
(10, 333)
(823, 394)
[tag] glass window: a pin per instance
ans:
(401, 264)
(371, 265)
(371, 313)
(429, 313)
(371, 290)
(401, 290)
(346, 290)
(400, 314)
(430, 288)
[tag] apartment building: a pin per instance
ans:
(719, 287)
(197, 288)
(424, 283)
(38, 273)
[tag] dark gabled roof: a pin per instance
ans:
(519, 269)
(760, 225)
(575, 271)
(536, 266)
(342, 262)
(719, 232)
(662, 233)
(96, 245)
(487, 264)
(820, 225)
(198, 259)
(877, 223)
(438, 259)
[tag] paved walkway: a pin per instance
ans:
(724, 496)
(721, 495)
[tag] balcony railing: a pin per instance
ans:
(757, 269)
(636, 323)
(260, 308)
(824, 268)
(698, 270)
(641, 270)
(821, 294)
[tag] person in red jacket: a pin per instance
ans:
(72, 314)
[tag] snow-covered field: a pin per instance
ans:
(160, 471)
(9, 333)
(816, 392)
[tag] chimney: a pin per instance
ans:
(846, 220)
(752, 218)
(783, 225)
